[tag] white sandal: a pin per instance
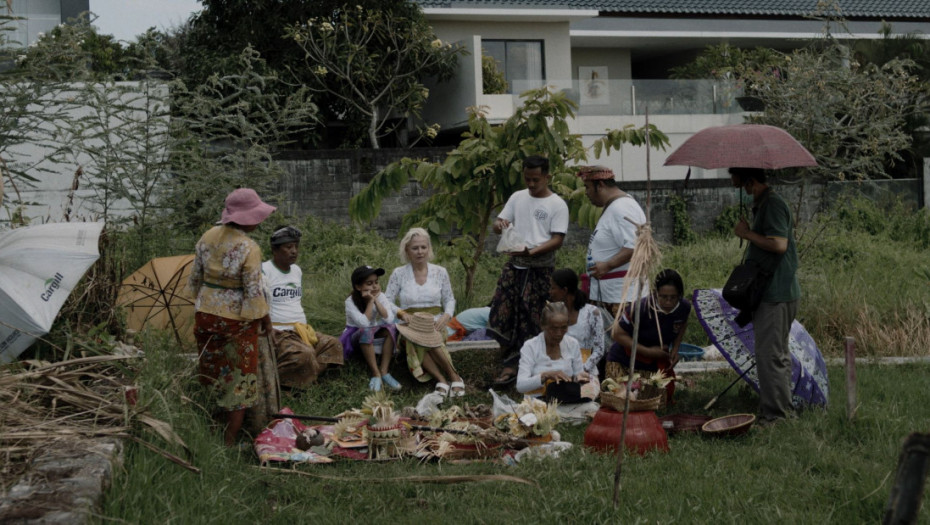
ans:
(457, 393)
(442, 389)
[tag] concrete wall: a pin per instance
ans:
(320, 183)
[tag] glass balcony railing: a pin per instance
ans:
(632, 97)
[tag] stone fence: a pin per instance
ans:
(321, 182)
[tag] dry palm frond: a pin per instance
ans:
(659, 378)
(407, 479)
(349, 426)
(378, 399)
(646, 259)
(531, 417)
(41, 403)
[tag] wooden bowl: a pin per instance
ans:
(732, 425)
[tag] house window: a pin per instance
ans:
(520, 60)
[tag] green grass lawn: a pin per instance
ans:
(819, 468)
(863, 273)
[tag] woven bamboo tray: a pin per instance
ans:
(650, 398)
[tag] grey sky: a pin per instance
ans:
(125, 19)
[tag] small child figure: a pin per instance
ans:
(369, 311)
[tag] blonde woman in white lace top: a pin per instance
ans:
(420, 286)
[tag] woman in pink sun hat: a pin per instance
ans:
(226, 278)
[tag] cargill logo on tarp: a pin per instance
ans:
(51, 285)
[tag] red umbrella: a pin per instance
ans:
(742, 146)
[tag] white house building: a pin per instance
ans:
(613, 56)
(35, 17)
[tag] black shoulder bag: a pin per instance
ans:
(745, 287)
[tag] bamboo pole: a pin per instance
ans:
(629, 385)
(636, 314)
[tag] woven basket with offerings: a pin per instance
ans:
(649, 398)
(618, 373)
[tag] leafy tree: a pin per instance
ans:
(911, 47)
(479, 175)
(76, 51)
(493, 80)
(847, 114)
(858, 110)
(374, 62)
(723, 61)
(225, 134)
(213, 39)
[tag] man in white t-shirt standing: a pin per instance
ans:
(611, 245)
(540, 217)
(301, 352)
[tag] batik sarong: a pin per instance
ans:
(228, 359)
(516, 309)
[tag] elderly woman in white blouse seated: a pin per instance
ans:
(584, 320)
(552, 361)
(420, 286)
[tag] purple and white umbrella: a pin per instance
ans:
(809, 383)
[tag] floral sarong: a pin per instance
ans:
(228, 359)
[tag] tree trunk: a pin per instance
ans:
(373, 128)
(479, 250)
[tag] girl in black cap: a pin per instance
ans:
(370, 319)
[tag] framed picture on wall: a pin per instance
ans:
(593, 85)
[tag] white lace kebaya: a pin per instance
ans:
(403, 291)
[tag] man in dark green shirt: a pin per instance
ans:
(772, 246)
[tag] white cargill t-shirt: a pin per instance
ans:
(285, 291)
(613, 233)
(536, 219)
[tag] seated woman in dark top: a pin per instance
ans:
(657, 347)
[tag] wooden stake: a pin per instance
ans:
(851, 402)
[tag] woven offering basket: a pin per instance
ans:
(650, 398)
(616, 371)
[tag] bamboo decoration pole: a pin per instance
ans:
(851, 397)
(626, 406)
(644, 257)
